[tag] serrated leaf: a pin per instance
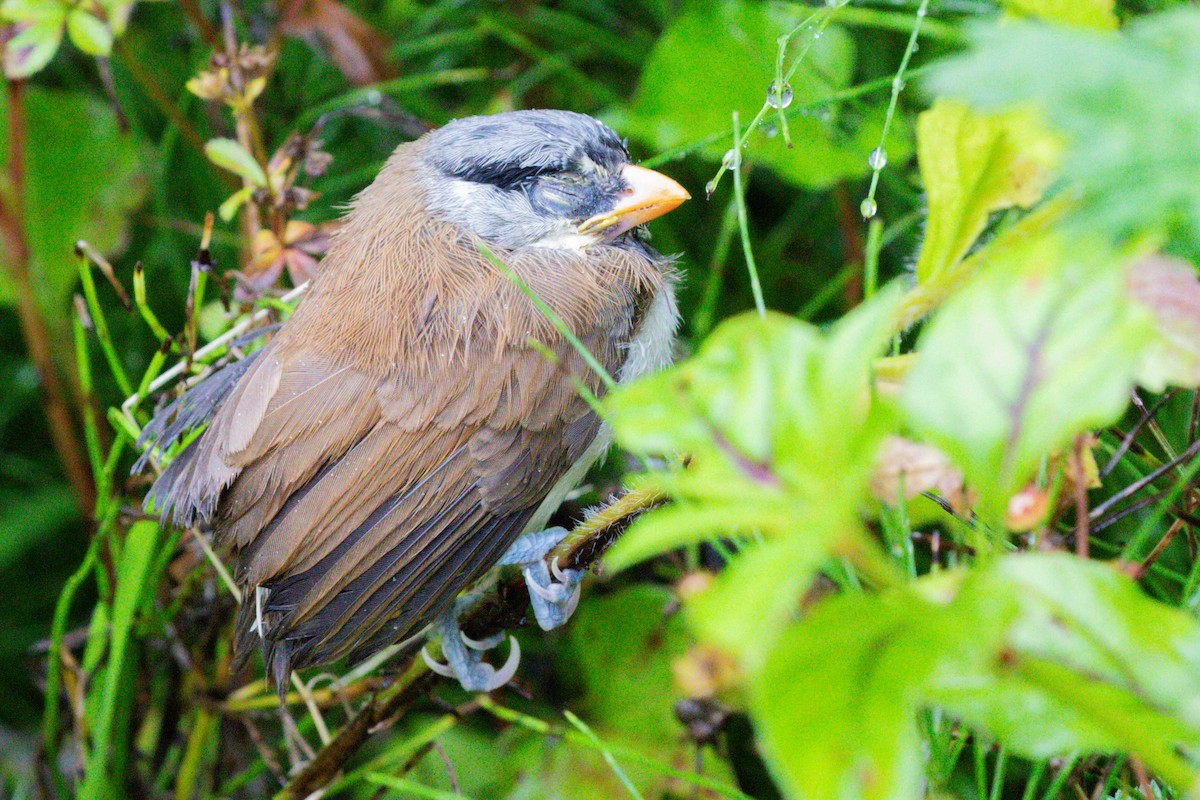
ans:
(735, 42)
(231, 155)
(760, 398)
(89, 34)
(1054, 653)
(1042, 345)
(1128, 106)
(32, 48)
(973, 165)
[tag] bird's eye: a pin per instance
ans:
(556, 197)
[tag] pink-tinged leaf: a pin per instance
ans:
(1170, 290)
(32, 48)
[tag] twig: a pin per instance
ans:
(34, 329)
(505, 607)
(1079, 479)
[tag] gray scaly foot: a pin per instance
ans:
(464, 659)
(553, 591)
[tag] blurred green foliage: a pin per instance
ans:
(822, 610)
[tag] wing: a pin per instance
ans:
(364, 503)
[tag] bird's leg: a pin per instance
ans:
(553, 591)
(464, 660)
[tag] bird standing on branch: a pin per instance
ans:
(407, 425)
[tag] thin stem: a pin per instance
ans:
(878, 162)
(550, 315)
(743, 225)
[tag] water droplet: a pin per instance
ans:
(868, 208)
(709, 188)
(374, 97)
(771, 131)
(777, 98)
(878, 158)
(732, 159)
(921, 11)
(817, 35)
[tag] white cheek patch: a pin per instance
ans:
(566, 240)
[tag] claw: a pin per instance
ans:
(485, 678)
(551, 593)
(444, 670)
(574, 601)
(557, 572)
(487, 643)
(506, 673)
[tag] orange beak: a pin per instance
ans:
(650, 194)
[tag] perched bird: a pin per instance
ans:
(400, 432)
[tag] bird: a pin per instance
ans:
(419, 418)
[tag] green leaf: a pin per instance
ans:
(1042, 345)
(42, 512)
(33, 11)
(231, 155)
(972, 165)
(760, 397)
(750, 601)
(1129, 106)
(837, 697)
(117, 13)
(733, 45)
(639, 639)
(82, 178)
(1051, 653)
(32, 48)
(89, 34)
(1091, 14)
(132, 580)
(1170, 290)
(782, 430)
(229, 208)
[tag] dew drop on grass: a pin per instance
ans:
(709, 188)
(868, 208)
(732, 159)
(878, 158)
(779, 98)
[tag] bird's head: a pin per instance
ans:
(541, 179)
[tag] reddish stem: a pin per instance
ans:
(34, 329)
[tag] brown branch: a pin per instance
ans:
(34, 329)
(1079, 484)
(155, 93)
(505, 607)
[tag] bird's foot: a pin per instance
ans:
(553, 591)
(464, 655)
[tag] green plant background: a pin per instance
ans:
(938, 653)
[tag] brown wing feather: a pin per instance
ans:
(400, 432)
